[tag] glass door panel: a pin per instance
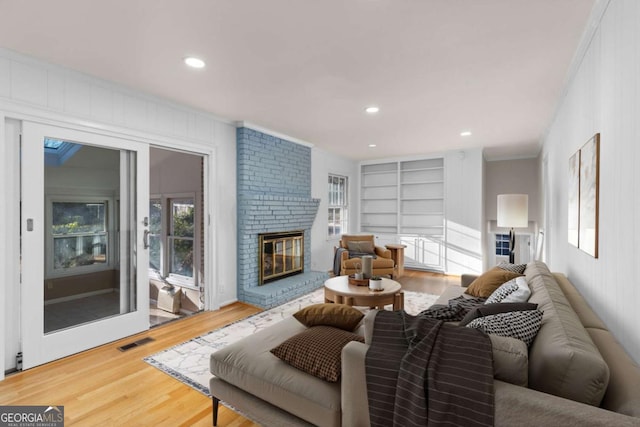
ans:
(84, 215)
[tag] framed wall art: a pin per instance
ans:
(589, 195)
(574, 199)
(584, 197)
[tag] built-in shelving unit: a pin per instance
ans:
(379, 198)
(405, 199)
(422, 197)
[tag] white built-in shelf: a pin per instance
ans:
(421, 182)
(422, 213)
(403, 197)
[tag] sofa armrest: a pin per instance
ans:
(383, 252)
(466, 279)
(522, 406)
(354, 399)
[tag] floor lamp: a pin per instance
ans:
(513, 212)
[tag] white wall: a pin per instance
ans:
(90, 170)
(173, 172)
(322, 164)
(464, 207)
(603, 96)
(512, 177)
(518, 176)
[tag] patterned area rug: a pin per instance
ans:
(189, 362)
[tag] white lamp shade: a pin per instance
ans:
(513, 210)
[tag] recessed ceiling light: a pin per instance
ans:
(465, 133)
(372, 109)
(194, 62)
(372, 146)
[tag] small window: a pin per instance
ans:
(181, 237)
(502, 244)
(172, 242)
(338, 205)
(79, 233)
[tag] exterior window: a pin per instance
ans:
(172, 239)
(502, 244)
(79, 233)
(338, 206)
(181, 237)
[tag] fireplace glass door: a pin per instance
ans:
(281, 255)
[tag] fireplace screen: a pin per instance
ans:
(281, 255)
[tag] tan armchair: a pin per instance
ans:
(383, 264)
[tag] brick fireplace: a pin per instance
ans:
(274, 196)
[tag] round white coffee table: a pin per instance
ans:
(339, 291)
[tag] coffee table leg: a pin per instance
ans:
(398, 301)
(328, 296)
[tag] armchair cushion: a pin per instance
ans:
(361, 246)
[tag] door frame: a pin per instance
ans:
(10, 249)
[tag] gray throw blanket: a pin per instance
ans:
(337, 257)
(422, 372)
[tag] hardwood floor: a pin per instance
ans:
(107, 387)
(423, 281)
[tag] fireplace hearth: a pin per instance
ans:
(281, 255)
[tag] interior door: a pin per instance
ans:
(84, 223)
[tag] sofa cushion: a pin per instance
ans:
(316, 351)
(587, 316)
(489, 309)
(522, 294)
(523, 325)
(502, 292)
(563, 360)
(377, 263)
(450, 292)
(488, 282)
(516, 268)
(249, 365)
(623, 392)
(510, 360)
(339, 316)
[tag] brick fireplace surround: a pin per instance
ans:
(274, 195)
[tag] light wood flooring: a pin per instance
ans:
(107, 387)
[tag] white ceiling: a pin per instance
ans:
(308, 68)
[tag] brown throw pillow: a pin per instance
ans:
(361, 246)
(488, 282)
(336, 315)
(317, 351)
(500, 307)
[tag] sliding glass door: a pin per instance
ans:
(84, 227)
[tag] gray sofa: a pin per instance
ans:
(574, 374)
